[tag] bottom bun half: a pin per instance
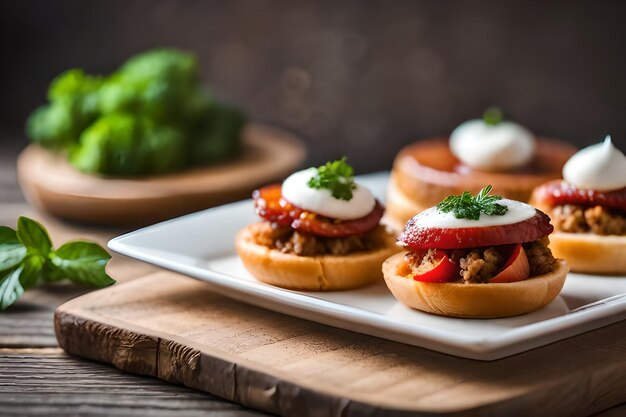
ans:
(313, 273)
(473, 300)
(589, 253)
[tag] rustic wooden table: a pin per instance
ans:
(37, 377)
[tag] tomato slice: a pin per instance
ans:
(418, 238)
(445, 270)
(324, 226)
(560, 192)
(516, 268)
(271, 206)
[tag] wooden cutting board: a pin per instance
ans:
(51, 184)
(172, 327)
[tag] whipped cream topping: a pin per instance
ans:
(492, 147)
(517, 212)
(320, 201)
(599, 167)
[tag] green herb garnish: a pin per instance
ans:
(335, 176)
(151, 116)
(492, 116)
(27, 259)
(467, 206)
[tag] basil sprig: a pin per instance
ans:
(27, 259)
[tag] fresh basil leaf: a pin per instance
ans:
(51, 273)
(10, 287)
(12, 252)
(83, 263)
(33, 235)
(32, 268)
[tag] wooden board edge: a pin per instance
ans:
(80, 329)
(92, 340)
(158, 357)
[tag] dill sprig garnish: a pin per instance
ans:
(467, 206)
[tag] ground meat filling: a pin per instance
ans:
(598, 220)
(481, 264)
(288, 240)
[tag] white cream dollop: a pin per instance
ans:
(500, 147)
(599, 167)
(320, 201)
(517, 212)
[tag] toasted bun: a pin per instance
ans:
(590, 253)
(399, 207)
(426, 172)
(587, 252)
(313, 273)
(473, 300)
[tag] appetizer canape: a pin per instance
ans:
(588, 210)
(320, 232)
(477, 257)
(481, 151)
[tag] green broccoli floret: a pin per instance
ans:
(162, 80)
(164, 148)
(73, 106)
(149, 117)
(116, 96)
(53, 126)
(217, 136)
(111, 146)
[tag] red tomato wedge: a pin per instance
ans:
(444, 270)
(271, 206)
(418, 238)
(560, 192)
(516, 267)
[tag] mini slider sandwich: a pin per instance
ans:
(588, 210)
(321, 231)
(476, 257)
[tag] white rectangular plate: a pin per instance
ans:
(201, 245)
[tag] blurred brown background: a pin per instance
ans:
(360, 78)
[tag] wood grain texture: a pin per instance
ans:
(29, 322)
(71, 386)
(54, 186)
(175, 328)
(49, 382)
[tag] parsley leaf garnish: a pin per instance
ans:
(335, 176)
(492, 116)
(467, 206)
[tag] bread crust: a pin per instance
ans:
(591, 253)
(399, 207)
(473, 300)
(313, 273)
(587, 252)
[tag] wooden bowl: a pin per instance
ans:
(50, 183)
